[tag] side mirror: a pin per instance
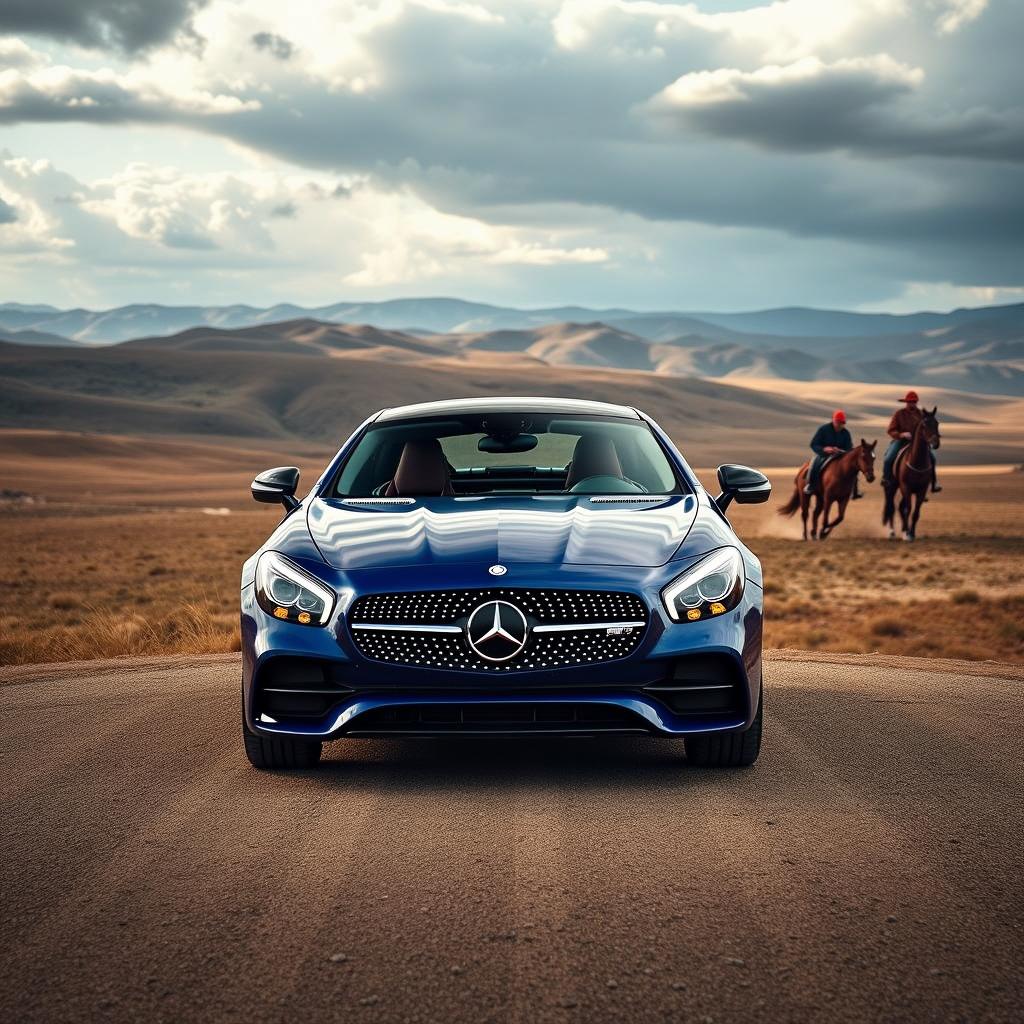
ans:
(277, 485)
(747, 486)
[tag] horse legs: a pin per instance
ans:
(840, 516)
(817, 514)
(889, 509)
(826, 510)
(905, 514)
(919, 499)
(805, 507)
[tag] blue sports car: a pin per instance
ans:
(505, 566)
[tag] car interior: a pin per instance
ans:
(509, 454)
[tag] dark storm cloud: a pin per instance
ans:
(852, 104)
(479, 167)
(913, 156)
(8, 214)
(128, 25)
(277, 46)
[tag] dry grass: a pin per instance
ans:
(947, 598)
(191, 628)
(79, 583)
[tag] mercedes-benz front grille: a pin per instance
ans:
(498, 629)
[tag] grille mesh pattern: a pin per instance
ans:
(446, 607)
(450, 651)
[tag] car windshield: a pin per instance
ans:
(506, 453)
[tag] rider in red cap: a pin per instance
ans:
(901, 430)
(831, 438)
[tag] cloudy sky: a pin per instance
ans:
(717, 154)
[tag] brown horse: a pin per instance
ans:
(835, 485)
(912, 476)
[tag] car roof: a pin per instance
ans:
(555, 406)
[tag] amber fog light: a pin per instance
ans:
(291, 594)
(711, 587)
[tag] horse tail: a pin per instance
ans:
(792, 505)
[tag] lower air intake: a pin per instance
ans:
(289, 688)
(520, 716)
(702, 684)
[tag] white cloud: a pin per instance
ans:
(547, 256)
(348, 230)
(32, 230)
(38, 91)
(954, 14)
(164, 206)
(881, 74)
(16, 53)
(408, 241)
(782, 31)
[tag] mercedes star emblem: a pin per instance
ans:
(497, 630)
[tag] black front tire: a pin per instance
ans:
(279, 753)
(727, 749)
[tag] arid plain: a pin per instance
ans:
(126, 513)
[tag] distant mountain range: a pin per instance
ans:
(978, 349)
(444, 316)
(966, 358)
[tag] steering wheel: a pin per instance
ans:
(606, 484)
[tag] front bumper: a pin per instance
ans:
(652, 691)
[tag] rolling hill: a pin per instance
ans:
(985, 362)
(304, 385)
(295, 399)
(971, 349)
(774, 327)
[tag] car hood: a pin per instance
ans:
(565, 529)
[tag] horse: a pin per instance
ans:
(912, 476)
(835, 485)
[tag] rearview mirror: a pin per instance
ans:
(502, 444)
(744, 485)
(277, 485)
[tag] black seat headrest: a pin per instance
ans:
(422, 470)
(593, 456)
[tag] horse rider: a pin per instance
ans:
(901, 430)
(829, 439)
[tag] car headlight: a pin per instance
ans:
(711, 587)
(290, 593)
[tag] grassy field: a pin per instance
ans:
(88, 580)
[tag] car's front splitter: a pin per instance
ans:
(646, 715)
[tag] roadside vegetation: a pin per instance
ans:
(78, 585)
(941, 598)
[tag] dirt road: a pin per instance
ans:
(867, 869)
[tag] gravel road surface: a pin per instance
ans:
(869, 868)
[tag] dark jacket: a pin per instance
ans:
(827, 436)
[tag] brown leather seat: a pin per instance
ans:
(422, 471)
(592, 456)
